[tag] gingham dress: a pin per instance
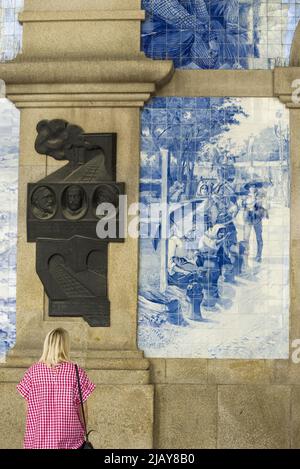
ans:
(53, 406)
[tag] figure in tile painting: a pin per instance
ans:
(254, 213)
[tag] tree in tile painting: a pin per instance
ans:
(185, 133)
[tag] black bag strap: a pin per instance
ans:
(81, 402)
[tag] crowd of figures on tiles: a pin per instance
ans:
(223, 175)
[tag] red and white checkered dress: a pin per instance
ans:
(53, 406)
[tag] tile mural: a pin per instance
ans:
(10, 29)
(214, 248)
(9, 150)
(10, 46)
(220, 34)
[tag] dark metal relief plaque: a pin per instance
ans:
(62, 216)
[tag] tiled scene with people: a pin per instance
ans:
(217, 284)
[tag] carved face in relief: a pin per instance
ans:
(106, 194)
(43, 202)
(74, 202)
(74, 198)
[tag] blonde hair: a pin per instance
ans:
(56, 347)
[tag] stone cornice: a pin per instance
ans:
(137, 70)
(115, 83)
(217, 83)
(91, 57)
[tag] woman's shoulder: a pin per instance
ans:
(70, 365)
(42, 365)
(34, 369)
(35, 365)
(75, 364)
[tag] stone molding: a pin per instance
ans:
(218, 83)
(90, 15)
(93, 54)
(124, 83)
(66, 5)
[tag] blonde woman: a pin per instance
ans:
(50, 387)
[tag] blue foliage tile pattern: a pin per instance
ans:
(214, 252)
(220, 34)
